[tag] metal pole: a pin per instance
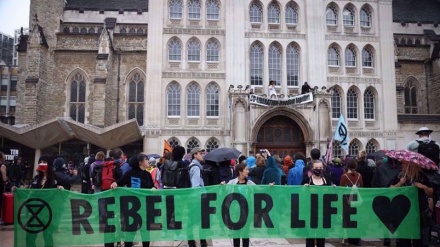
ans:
(119, 81)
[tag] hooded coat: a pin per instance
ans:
(251, 162)
(295, 176)
(272, 174)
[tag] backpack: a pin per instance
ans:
(97, 174)
(111, 172)
(184, 178)
(85, 172)
(430, 150)
(170, 171)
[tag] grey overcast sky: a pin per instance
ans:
(14, 14)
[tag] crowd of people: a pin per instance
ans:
(99, 173)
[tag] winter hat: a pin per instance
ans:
(241, 159)
(152, 161)
(58, 163)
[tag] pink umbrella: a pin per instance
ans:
(416, 158)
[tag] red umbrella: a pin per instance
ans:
(416, 158)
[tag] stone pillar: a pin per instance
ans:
(37, 156)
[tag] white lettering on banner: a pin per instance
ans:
(300, 99)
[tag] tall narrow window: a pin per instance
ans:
(368, 104)
(348, 17)
(78, 98)
(194, 9)
(336, 103)
(337, 149)
(367, 58)
(173, 98)
(292, 57)
(370, 147)
(192, 143)
(212, 10)
(212, 100)
(350, 57)
(365, 18)
(193, 100)
(174, 50)
(291, 15)
(212, 50)
(275, 64)
(353, 148)
(194, 50)
(333, 57)
(136, 99)
(411, 98)
(176, 9)
(352, 104)
(256, 13)
(273, 14)
(256, 62)
(331, 16)
(212, 144)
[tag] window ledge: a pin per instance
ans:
(174, 117)
(256, 25)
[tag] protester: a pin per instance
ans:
(241, 179)
(16, 173)
(170, 168)
(272, 90)
(3, 179)
(197, 181)
(352, 178)
(65, 177)
(139, 178)
(412, 175)
(424, 145)
(86, 187)
(364, 169)
(295, 176)
(251, 162)
(272, 174)
(96, 172)
(226, 170)
(155, 173)
(336, 170)
(306, 88)
(317, 179)
(257, 172)
(117, 156)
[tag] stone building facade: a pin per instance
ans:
(183, 70)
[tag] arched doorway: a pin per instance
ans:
(280, 135)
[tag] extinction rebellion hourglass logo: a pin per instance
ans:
(34, 215)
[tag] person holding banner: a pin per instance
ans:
(317, 179)
(138, 177)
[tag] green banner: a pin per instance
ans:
(60, 218)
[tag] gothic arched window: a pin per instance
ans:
(331, 16)
(174, 142)
(333, 57)
(256, 13)
(173, 98)
(367, 58)
(348, 17)
(193, 100)
(370, 147)
(212, 10)
(369, 104)
(136, 98)
(256, 62)
(411, 98)
(336, 103)
(193, 50)
(365, 18)
(212, 50)
(192, 143)
(78, 98)
(275, 64)
(212, 144)
(174, 50)
(273, 14)
(194, 9)
(212, 100)
(337, 149)
(350, 57)
(176, 9)
(291, 14)
(352, 104)
(292, 64)
(353, 148)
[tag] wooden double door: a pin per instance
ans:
(280, 135)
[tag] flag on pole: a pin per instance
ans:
(341, 133)
(329, 154)
(166, 149)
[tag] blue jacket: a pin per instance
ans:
(295, 176)
(251, 162)
(272, 174)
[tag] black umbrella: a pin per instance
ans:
(156, 156)
(376, 155)
(222, 154)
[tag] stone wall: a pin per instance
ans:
(434, 88)
(77, 41)
(417, 53)
(414, 70)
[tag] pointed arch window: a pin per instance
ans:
(77, 103)
(291, 15)
(292, 59)
(173, 98)
(331, 16)
(370, 147)
(176, 9)
(273, 16)
(212, 10)
(136, 98)
(336, 103)
(411, 98)
(353, 148)
(174, 142)
(337, 150)
(352, 104)
(348, 17)
(256, 62)
(174, 50)
(256, 13)
(192, 143)
(350, 57)
(368, 104)
(212, 144)
(194, 9)
(275, 64)
(367, 58)
(194, 50)
(212, 100)
(212, 51)
(365, 17)
(193, 100)
(333, 57)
